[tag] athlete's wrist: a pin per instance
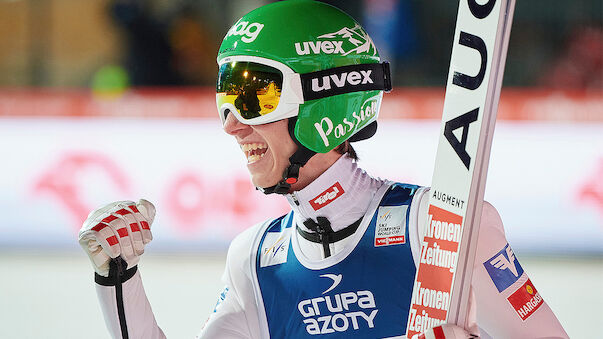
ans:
(118, 273)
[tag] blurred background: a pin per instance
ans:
(111, 100)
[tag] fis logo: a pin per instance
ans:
(275, 248)
(327, 197)
(341, 80)
(339, 312)
(391, 225)
(344, 41)
(503, 268)
(250, 31)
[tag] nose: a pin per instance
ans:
(234, 127)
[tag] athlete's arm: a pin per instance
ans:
(236, 314)
(114, 237)
(500, 285)
(508, 303)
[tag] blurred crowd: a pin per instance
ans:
(554, 43)
(580, 64)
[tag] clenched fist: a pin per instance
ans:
(120, 228)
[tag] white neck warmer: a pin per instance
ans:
(342, 194)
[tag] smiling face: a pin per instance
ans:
(267, 148)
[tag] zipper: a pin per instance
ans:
(294, 197)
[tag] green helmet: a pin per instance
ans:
(325, 66)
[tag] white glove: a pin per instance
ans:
(445, 331)
(120, 228)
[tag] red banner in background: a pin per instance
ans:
(531, 104)
(69, 152)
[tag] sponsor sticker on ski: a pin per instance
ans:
(439, 252)
(391, 226)
(504, 269)
(327, 197)
(526, 300)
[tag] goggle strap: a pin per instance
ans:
(346, 79)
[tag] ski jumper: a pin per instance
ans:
(279, 284)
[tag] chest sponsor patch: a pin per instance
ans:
(335, 312)
(391, 226)
(504, 269)
(275, 248)
(526, 300)
(327, 197)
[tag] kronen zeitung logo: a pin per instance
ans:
(250, 31)
(432, 253)
(333, 313)
(429, 298)
(344, 41)
(340, 80)
(326, 128)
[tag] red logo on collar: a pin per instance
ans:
(327, 197)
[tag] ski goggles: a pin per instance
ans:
(259, 90)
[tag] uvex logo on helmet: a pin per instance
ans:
(344, 41)
(340, 80)
(250, 31)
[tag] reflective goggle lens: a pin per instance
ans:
(253, 89)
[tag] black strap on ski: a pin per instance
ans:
(118, 274)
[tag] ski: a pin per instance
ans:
(443, 279)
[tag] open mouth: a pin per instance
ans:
(254, 151)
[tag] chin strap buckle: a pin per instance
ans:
(291, 174)
(289, 178)
(296, 161)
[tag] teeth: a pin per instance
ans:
(253, 158)
(247, 148)
(251, 147)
